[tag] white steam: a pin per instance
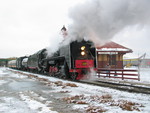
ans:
(100, 20)
(55, 41)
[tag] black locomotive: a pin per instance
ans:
(72, 61)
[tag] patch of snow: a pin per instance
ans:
(2, 82)
(13, 105)
(112, 49)
(145, 75)
(36, 105)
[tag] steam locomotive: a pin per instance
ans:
(72, 61)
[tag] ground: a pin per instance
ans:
(32, 93)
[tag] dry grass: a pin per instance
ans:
(105, 99)
(64, 91)
(127, 105)
(74, 99)
(101, 99)
(95, 109)
(130, 106)
(106, 96)
(59, 83)
(71, 84)
(42, 79)
(81, 102)
(49, 83)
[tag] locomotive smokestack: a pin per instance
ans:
(64, 31)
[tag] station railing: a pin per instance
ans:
(119, 73)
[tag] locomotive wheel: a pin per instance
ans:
(64, 71)
(51, 74)
(74, 76)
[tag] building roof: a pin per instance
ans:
(113, 47)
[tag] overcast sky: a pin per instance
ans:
(27, 26)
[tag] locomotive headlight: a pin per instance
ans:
(82, 53)
(83, 48)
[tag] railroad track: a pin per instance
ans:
(119, 86)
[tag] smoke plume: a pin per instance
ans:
(100, 20)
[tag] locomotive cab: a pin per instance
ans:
(81, 55)
(82, 59)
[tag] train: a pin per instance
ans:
(71, 61)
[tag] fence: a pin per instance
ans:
(119, 73)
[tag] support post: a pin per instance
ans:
(122, 75)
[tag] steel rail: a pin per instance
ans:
(119, 86)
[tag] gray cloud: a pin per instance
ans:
(101, 20)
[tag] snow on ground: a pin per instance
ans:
(2, 82)
(9, 106)
(145, 75)
(20, 102)
(85, 98)
(33, 104)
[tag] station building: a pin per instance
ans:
(111, 53)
